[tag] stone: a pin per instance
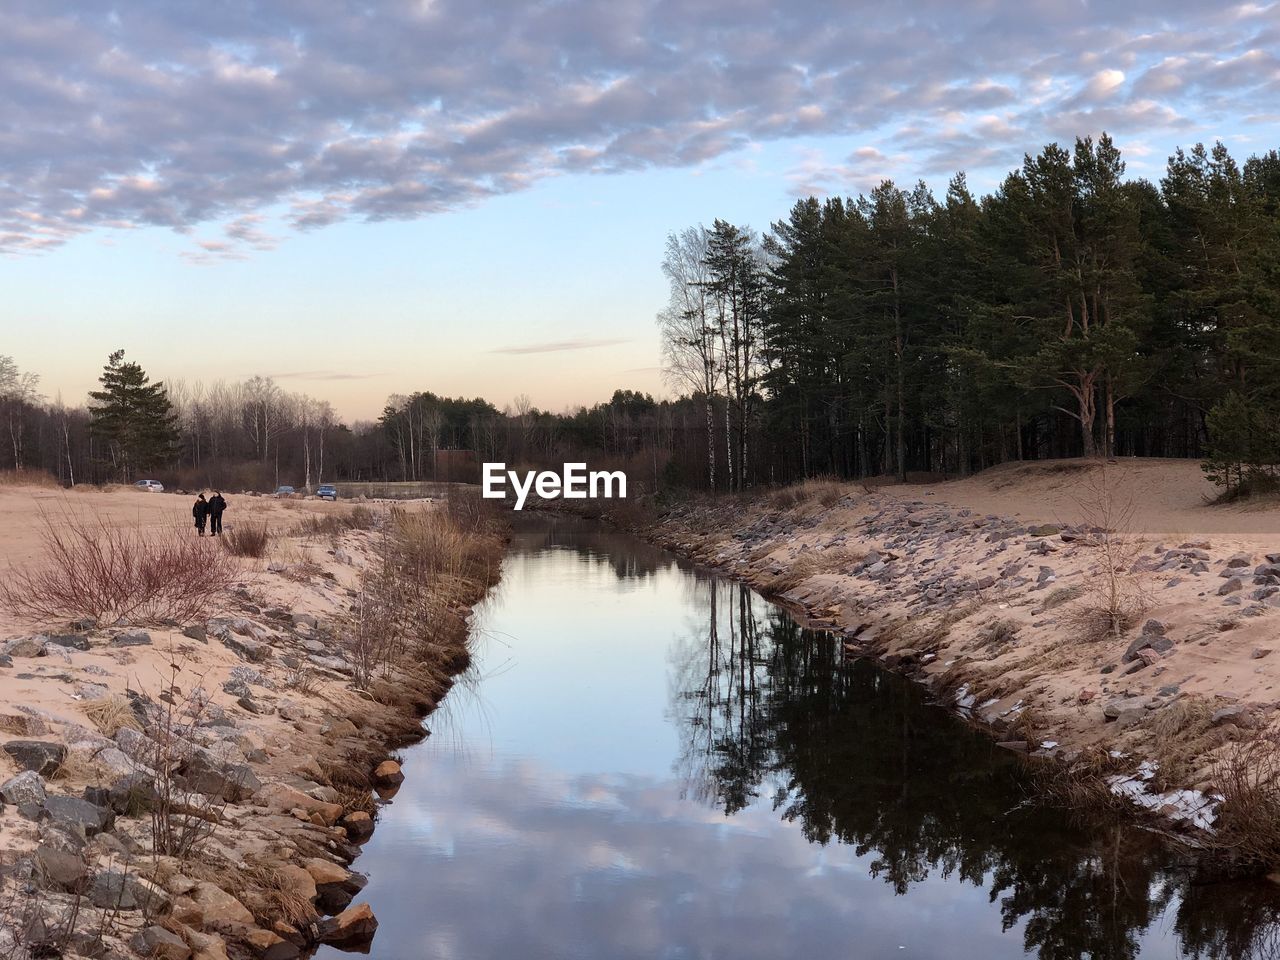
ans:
(1239, 560)
(304, 620)
(71, 641)
(206, 946)
(42, 756)
(230, 781)
(359, 826)
(278, 796)
(1147, 641)
(219, 907)
(298, 880)
(1044, 530)
(159, 943)
(196, 632)
(388, 774)
(267, 945)
(26, 787)
(1121, 706)
(1260, 652)
(114, 889)
(1231, 586)
(354, 925)
(132, 638)
(63, 868)
(1154, 627)
(1086, 695)
(132, 794)
(35, 646)
(78, 816)
(1236, 715)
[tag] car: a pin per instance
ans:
(150, 486)
(327, 491)
(285, 491)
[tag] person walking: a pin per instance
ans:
(200, 510)
(216, 505)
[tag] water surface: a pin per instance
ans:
(649, 761)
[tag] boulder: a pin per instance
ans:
(132, 638)
(25, 646)
(132, 794)
(267, 945)
(115, 889)
(230, 781)
(26, 787)
(1236, 715)
(219, 908)
(278, 796)
(298, 881)
(62, 868)
(78, 816)
(388, 774)
(1231, 586)
(1155, 642)
(159, 943)
(335, 885)
(358, 824)
(42, 756)
(352, 926)
(71, 641)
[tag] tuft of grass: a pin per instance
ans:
(1060, 595)
(1247, 775)
(110, 714)
(27, 478)
(251, 539)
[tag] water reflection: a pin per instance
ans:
(665, 766)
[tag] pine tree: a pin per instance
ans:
(133, 416)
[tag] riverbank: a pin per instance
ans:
(1100, 615)
(200, 788)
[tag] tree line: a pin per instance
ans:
(1070, 312)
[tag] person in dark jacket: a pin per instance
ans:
(200, 510)
(216, 506)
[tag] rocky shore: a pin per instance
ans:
(200, 791)
(999, 616)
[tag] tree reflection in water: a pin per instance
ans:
(770, 711)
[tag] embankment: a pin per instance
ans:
(200, 789)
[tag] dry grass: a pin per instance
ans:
(266, 878)
(110, 714)
(91, 569)
(333, 525)
(1081, 786)
(27, 478)
(1060, 595)
(810, 564)
(824, 491)
(251, 539)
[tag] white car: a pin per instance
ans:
(150, 486)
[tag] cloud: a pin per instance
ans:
(557, 346)
(201, 117)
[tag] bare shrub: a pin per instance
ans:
(1115, 597)
(1247, 775)
(91, 569)
(248, 539)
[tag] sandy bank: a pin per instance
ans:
(274, 750)
(987, 590)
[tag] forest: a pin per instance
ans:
(1070, 312)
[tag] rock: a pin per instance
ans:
(230, 781)
(6, 660)
(237, 688)
(1231, 586)
(26, 646)
(387, 774)
(253, 706)
(1086, 695)
(359, 826)
(1044, 530)
(354, 925)
(1124, 706)
(42, 756)
(1260, 652)
(305, 620)
(338, 728)
(278, 796)
(132, 794)
(132, 638)
(267, 945)
(1154, 627)
(196, 632)
(298, 880)
(336, 664)
(1236, 715)
(1154, 642)
(252, 650)
(26, 787)
(62, 868)
(218, 907)
(159, 943)
(277, 566)
(114, 889)
(71, 641)
(1046, 575)
(78, 816)
(1240, 560)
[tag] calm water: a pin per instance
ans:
(652, 762)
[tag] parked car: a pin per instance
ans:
(150, 486)
(285, 491)
(327, 491)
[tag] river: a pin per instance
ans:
(650, 761)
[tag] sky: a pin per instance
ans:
(471, 197)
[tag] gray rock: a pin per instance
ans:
(248, 649)
(336, 664)
(230, 781)
(195, 632)
(25, 646)
(62, 868)
(1240, 560)
(132, 638)
(6, 660)
(114, 889)
(26, 787)
(72, 641)
(1154, 627)
(1156, 642)
(1235, 715)
(237, 688)
(159, 943)
(42, 756)
(78, 816)
(132, 794)
(1231, 586)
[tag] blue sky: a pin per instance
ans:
(361, 200)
